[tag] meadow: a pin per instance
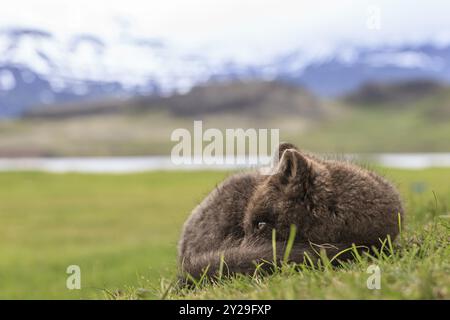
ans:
(122, 230)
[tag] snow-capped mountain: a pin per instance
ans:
(36, 67)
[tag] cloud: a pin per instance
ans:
(231, 27)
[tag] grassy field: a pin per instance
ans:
(122, 231)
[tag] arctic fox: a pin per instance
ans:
(333, 205)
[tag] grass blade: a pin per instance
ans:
(274, 247)
(290, 243)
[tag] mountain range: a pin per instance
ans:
(38, 68)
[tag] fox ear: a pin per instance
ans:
(294, 167)
(283, 147)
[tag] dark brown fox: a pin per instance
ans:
(333, 205)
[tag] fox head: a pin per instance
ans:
(325, 200)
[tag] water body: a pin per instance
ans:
(153, 163)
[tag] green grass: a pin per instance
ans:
(122, 231)
(117, 228)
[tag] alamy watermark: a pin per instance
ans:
(374, 280)
(73, 281)
(212, 146)
(373, 21)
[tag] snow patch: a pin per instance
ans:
(7, 80)
(405, 59)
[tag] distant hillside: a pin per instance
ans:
(436, 108)
(251, 98)
(399, 117)
(394, 93)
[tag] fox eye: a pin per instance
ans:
(261, 225)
